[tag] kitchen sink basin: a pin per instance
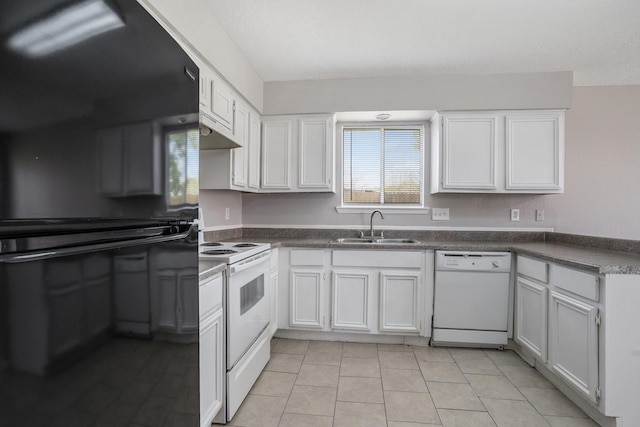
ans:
(375, 240)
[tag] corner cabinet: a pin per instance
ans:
(298, 153)
(498, 152)
(557, 314)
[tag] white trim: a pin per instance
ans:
(339, 135)
(385, 209)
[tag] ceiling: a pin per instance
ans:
(599, 40)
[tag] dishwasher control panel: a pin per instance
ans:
(473, 261)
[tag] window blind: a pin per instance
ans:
(183, 167)
(383, 165)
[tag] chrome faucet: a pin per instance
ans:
(371, 222)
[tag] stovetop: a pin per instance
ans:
(231, 252)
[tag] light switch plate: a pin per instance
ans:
(539, 214)
(440, 214)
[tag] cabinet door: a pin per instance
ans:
(469, 153)
(187, 309)
(240, 154)
(399, 302)
(276, 155)
(211, 367)
(351, 300)
(531, 317)
(66, 302)
(254, 151)
(573, 343)
(168, 300)
(315, 152)
(305, 294)
(204, 86)
(110, 146)
(222, 102)
(534, 146)
(142, 160)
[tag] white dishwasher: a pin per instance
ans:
(471, 299)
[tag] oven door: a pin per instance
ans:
(248, 304)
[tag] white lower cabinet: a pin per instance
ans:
(211, 368)
(558, 321)
(211, 348)
(307, 302)
(399, 299)
(531, 317)
(573, 336)
(351, 308)
(370, 291)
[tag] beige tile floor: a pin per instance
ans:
(322, 383)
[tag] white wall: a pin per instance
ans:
(602, 174)
(193, 21)
(434, 92)
(213, 204)
(602, 178)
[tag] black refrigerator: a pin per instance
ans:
(98, 204)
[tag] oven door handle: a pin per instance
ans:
(249, 262)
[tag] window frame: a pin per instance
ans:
(396, 208)
(166, 130)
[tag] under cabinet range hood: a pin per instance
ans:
(212, 136)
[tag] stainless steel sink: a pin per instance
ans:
(375, 240)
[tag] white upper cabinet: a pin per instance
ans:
(254, 152)
(315, 155)
(498, 152)
(276, 155)
(534, 151)
(218, 105)
(469, 152)
(298, 154)
(233, 169)
(222, 101)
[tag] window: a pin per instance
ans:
(382, 166)
(183, 153)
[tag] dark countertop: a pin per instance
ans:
(209, 268)
(592, 260)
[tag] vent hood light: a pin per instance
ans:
(64, 28)
(383, 117)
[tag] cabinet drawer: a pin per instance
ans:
(533, 268)
(307, 257)
(578, 282)
(378, 258)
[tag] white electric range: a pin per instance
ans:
(247, 316)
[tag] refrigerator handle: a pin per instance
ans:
(58, 252)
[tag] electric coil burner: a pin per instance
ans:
(218, 252)
(231, 252)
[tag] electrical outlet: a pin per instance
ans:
(226, 213)
(539, 214)
(440, 214)
(515, 214)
